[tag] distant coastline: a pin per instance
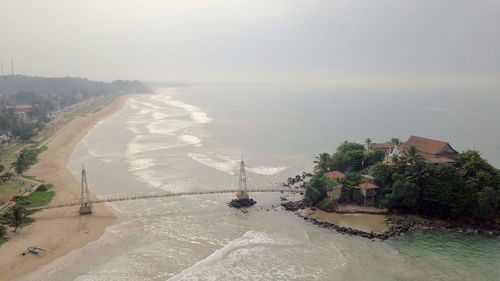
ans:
(59, 231)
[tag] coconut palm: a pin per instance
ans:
(368, 141)
(395, 141)
(412, 155)
(15, 216)
(322, 162)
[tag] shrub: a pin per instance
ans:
(3, 231)
(328, 204)
(42, 187)
(357, 196)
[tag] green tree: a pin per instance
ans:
(382, 174)
(355, 158)
(488, 204)
(3, 231)
(404, 195)
(15, 216)
(442, 194)
(368, 141)
(322, 162)
(357, 196)
(395, 141)
(372, 157)
(348, 146)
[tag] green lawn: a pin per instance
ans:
(40, 198)
(11, 188)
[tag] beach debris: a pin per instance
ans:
(35, 250)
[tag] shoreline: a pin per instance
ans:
(398, 224)
(59, 231)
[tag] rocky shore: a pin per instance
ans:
(399, 224)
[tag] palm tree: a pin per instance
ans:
(368, 141)
(322, 162)
(15, 216)
(395, 141)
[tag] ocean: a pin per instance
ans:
(193, 138)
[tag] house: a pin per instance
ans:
(334, 175)
(20, 109)
(385, 147)
(433, 151)
(368, 191)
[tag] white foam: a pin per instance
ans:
(249, 238)
(190, 140)
(167, 127)
(266, 170)
(197, 115)
(220, 163)
(140, 164)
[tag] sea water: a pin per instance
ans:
(191, 139)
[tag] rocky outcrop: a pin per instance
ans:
(241, 203)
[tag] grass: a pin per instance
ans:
(11, 188)
(3, 240)
(97, 110)
(40, 198)
(33, 178)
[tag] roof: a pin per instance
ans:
(426, 145)
(334, 175)
(386, 145)
(20, 106)
(366, 185)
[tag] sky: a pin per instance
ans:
(362, 43)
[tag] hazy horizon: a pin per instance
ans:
(364, 44)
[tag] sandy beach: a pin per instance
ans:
(58, 231)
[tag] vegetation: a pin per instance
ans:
(39, 198)
(469, 189)
(15, 216)
(350, 156)
(26, 158)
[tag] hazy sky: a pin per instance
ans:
(364, 43)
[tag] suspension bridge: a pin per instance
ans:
(86, 202)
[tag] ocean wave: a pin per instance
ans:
(234, 250)
(196, 113)
(266, 170)
(221, 163)
(135, 147)
(190, 140)
(168, 127)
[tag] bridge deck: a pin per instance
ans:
(159, 195)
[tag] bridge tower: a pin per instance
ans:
(242, 186)
(85, 204)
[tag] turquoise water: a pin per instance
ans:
(193, 138)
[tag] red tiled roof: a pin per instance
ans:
(425, 145)
(334, 175)
(366, 185)
(386, 145)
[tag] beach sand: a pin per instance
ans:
(58, 231)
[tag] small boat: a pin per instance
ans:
(35, 250)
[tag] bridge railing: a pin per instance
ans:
(128, 197)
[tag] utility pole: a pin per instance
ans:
(1, 66)
(12, 66)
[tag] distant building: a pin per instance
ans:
(385, 147)
(334, 175)
(433, 151)
(20, 108)
(368, 191)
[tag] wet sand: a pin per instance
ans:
(364, 222)
(58, 231)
